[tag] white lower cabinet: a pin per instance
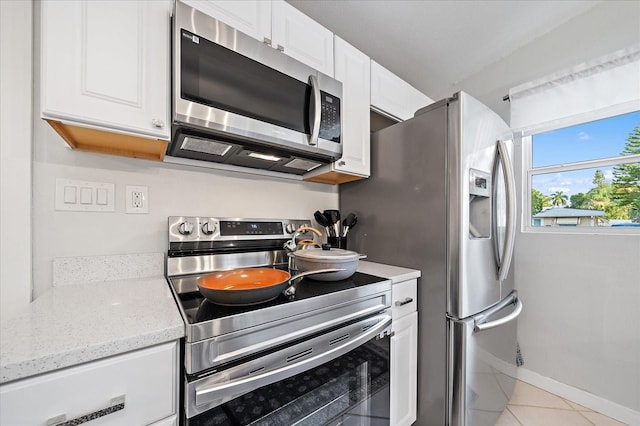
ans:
(404, 354)
(136, 388)
(169, 421)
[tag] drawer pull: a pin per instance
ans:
(404, 302)
(116, 404)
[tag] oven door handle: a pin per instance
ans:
(209, 393)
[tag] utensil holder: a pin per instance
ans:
(337, 242)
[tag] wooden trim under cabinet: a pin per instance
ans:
(106, 142)
(332, 178)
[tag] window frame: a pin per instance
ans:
(530, 172)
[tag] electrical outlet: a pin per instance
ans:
(136, 199)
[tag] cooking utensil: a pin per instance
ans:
(329, 220)
(250, 286)
(334, 218)
(322, 221)
(327, 258)
(348, 223)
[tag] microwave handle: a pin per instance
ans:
(314, 110)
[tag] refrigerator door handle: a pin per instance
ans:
(481, 323)
(502, 158)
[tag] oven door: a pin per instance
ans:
(340, 377)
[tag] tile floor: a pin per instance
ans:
(532, 406)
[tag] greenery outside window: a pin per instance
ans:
(585, 177)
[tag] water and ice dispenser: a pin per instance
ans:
(479, 204)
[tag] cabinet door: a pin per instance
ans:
(404, 370)
(389, 93)
(353, 70)
(418, 100)
(404, 298)
(106, 64)
(301, 37)
(252, 17)
(136, 388)
(169, 421)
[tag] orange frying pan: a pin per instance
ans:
(248, 286)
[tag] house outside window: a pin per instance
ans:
(585, 176)
(579, 130)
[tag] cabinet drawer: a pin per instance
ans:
(404, 298)
(146, 379)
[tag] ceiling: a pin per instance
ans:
(437, 44)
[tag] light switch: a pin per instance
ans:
(83, 196)
(70, 195)
(101, 196)
(86, 195)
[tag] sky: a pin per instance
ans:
(589, 141)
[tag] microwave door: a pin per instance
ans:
(230, 84)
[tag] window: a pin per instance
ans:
(586, 175)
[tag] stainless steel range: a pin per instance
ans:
(318, 355)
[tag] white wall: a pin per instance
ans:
(173, 190)
(580, 325)
(15, 156)
(579, 330)
(605, 28)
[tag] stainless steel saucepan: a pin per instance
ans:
(316, 259)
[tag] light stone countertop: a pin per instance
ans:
(74, 324)
(83, 322)
(395, 273)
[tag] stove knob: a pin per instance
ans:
(208, 227)
(185, 228)
(290, 228)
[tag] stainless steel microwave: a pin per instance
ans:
(241, 102)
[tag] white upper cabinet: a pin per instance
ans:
(252, 17)
(352, 69)
(301, 37)
(278, 24)
(393, 96)
(105, 64)
(418, 99)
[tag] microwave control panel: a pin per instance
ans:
(330, 128)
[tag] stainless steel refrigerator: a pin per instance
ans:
(441, 199)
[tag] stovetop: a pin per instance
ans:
(201, 245)
(198, 309)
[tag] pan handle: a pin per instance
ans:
(317, 271)
(290, 289)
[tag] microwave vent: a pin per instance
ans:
(299, 163)
(205, 145)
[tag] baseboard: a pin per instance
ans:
(596, 403)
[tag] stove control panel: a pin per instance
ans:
(190, 228)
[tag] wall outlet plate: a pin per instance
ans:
(136, 199)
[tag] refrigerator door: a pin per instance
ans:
(477, 213)
(504, 214)
(482, 364)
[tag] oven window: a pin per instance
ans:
(221, 78)
(350, 390)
